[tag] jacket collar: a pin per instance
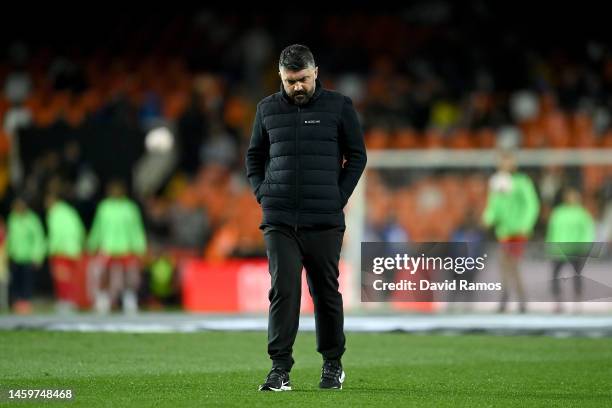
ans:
(315, 96)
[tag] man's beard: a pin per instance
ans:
(302, 98)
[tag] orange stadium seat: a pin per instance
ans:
(236, 112)
(4, 143)
(456, 201)
(548, 104)
(475, 189)
(213, 190)
(434, 139)
(606, 140)
(75, 112)
(582, 129)
(406, 138)
(486, 138)
(44, 116)
(240, 227)
(175, 104)
(462, 139)
(440, 225)
(556, 128)
(4, 106)
(222, 243)
(582, 122)
(534, 135)
(593, 177)
(377, 89)
(590, 203)
(91, 100)
(404, 206)
(377, 138)
(584, 139)
(34, 101)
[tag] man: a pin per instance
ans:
(570, 236)
(66, 236)
(118, 236)
(301, 135)
(4, 270)
(26, 252)
(512, 209)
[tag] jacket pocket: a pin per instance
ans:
(258, 192)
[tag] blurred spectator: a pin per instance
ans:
(189, 226)
(17, 87)
(550, 184)
(18, 83)
(66, 237)
(72, 162)
(118, 238)
(44, 169)
(220, 148)
(161, 282)
(192, 132)
(524, 106)
(257, 48)
(67, 75)
(4, 270)
(16, 118)
(471, 234)
(150, 109)
(26, 252)
(4, 177)
(570, 234)
(157, 164)
(512, 210)
(381, 225)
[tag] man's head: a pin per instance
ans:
(571, 196)
(298, 73)
(507, 162)
(115, 188)
(50, 199)
(20, 205)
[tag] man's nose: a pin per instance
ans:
(297, 87)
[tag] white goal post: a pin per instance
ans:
(433, 159)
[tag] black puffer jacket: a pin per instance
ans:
(294, 161)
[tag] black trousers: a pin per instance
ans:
(576, 263)
(318, 251)
(22, 281)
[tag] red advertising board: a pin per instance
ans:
(241, 286)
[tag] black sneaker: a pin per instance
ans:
(332, 375)
(277, 380)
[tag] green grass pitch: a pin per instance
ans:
(387, 369)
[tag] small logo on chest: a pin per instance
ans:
(312, 121)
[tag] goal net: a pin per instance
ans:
(438, 195)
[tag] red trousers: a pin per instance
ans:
(64, 271)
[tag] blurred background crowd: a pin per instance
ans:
(166, 102)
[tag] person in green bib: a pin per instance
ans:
(118, 238)
(66, 238)
(569, 236)
(26, 252)
(512, 209)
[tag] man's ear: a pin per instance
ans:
(316, 72)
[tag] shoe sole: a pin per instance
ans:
(283, 388)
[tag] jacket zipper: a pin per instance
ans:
(297, 170)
